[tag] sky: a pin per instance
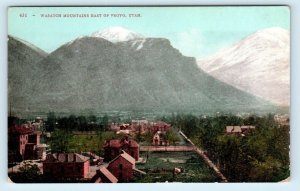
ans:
(195, 31)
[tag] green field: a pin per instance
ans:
(85, 142)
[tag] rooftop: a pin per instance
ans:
(108, 175)
(65, 157)
(126, 157)
(120, 142)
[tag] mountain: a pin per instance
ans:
(137, 75)
(117, 34)
(258, 64)
(22, 70)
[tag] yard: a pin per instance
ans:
(172, 136)
(159, 168)
(85, 142)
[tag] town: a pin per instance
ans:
(174, 149)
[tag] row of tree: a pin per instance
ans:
(259, 156)
(76, 123)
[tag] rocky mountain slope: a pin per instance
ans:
(22, 70)
(142, 74)
(258, 64)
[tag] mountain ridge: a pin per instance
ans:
(258, 64)
(91, 72)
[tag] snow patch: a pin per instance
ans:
(117, 34)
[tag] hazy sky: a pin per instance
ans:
(195, 31)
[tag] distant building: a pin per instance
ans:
(160, 126)
(122, 167)
(246, 129)
(66, 165)
(159, 139)
(112, 148)
(239, 130)
(282, 119)
(140, 125)
(114, 127)
(124, 132)
(104, 176)
(156, 139)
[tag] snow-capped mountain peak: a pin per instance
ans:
(117, 34)
(258, 64)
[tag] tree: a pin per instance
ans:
(82, 123)
(60, 140)
(104, 121)
(27, 173)
(172, 137)
(51, 121)
(92, 119)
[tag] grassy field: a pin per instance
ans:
(159, 168)
(90, 142)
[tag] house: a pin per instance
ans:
(41, 151)
(37, 124)
(160, 126)
(239, 130)
(122, 167)
(125, 132)
(156, 139)
(66, 165)
(34, 137)
(119, 126)
(159, 139)
(112, 148)
(125, 126)
(247, 129)
(18, 138)
(114, 127)
(104, 176)
(140, 125)
(233, 130)
(25, 140)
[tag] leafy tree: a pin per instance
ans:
(27, 173)
(172, 137)
(241, 158)
(60, 140)
(51, 121)
(92, 118)
(104, 121)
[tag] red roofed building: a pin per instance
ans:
(112, 148)
(160, 126)
(23, 140)
(18, 137)
(104, 176)
(66, 165)
(122, 167)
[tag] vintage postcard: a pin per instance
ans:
(148, 94)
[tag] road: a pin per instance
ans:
(167, 148)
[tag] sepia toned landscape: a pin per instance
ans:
(118, 106)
